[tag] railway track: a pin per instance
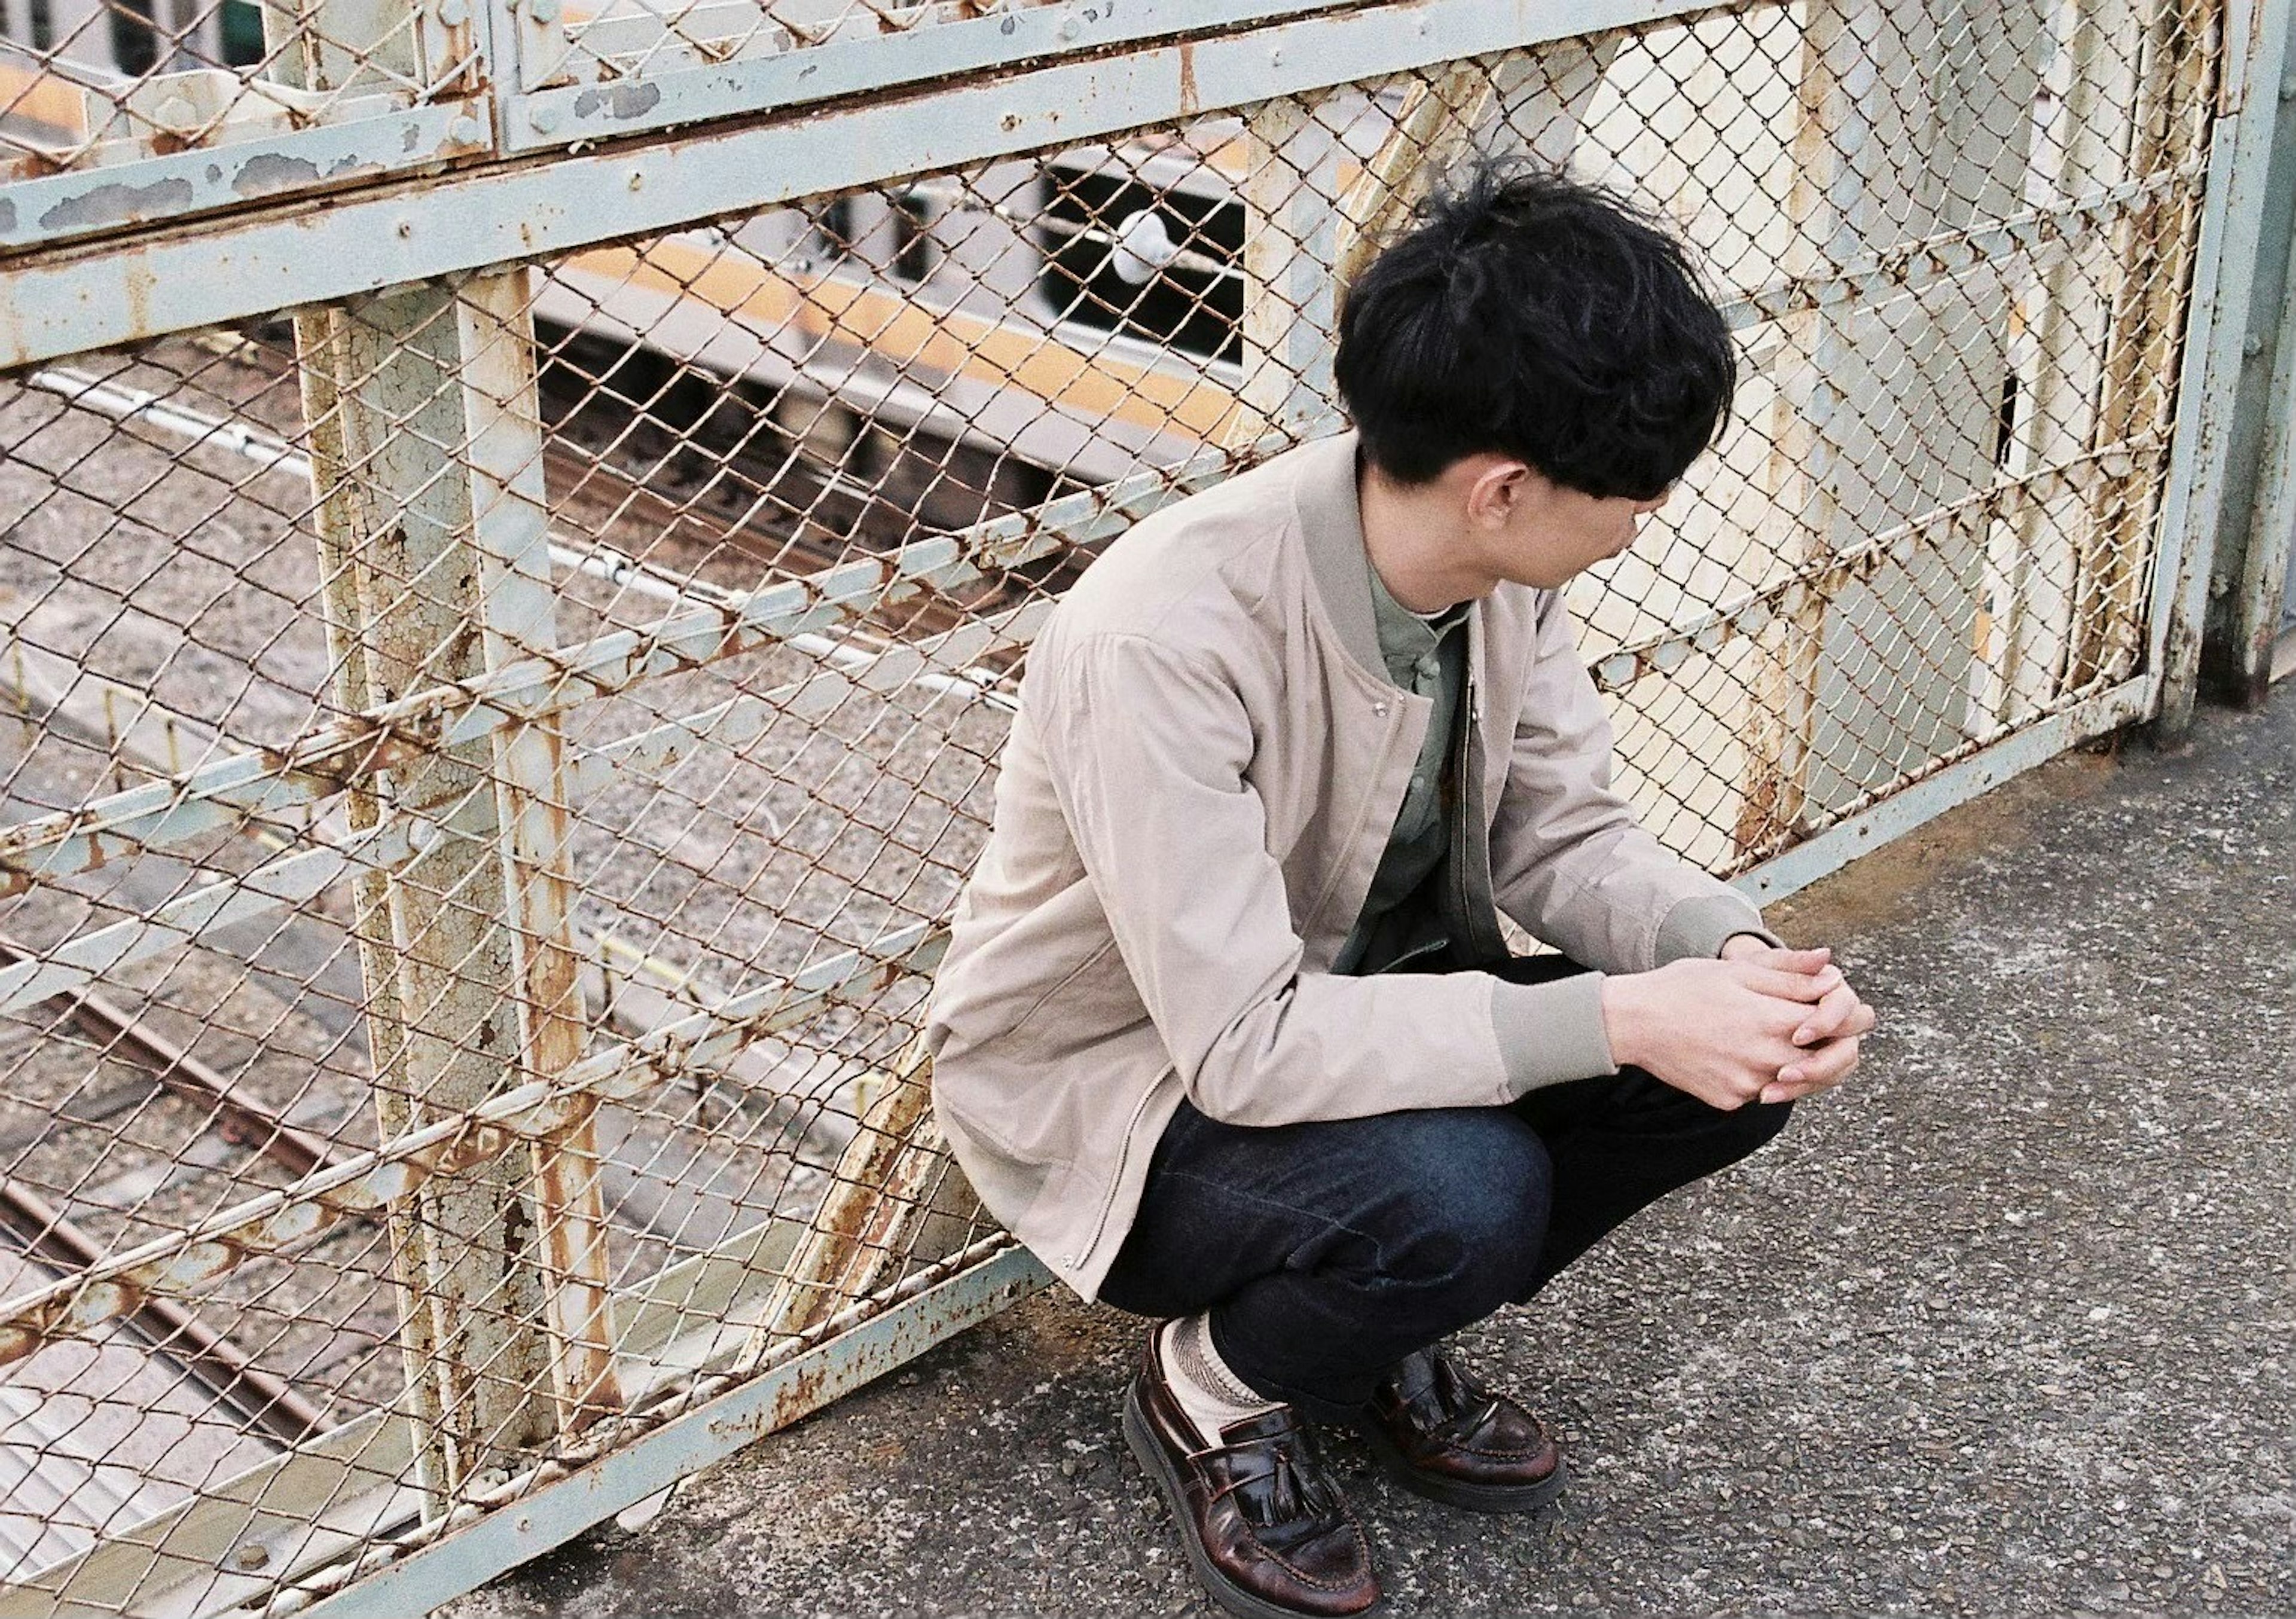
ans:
(114, 1132)
(769, 506)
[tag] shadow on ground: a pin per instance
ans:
(2003, 1329)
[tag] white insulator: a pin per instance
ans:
(1144, 247)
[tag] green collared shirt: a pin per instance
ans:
(1425, 655)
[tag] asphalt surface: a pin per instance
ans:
(2002, 1329)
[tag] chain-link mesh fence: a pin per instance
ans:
(485, 762)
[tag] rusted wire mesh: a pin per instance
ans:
(485, 766)
(92, 83)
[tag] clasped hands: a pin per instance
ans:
(1760, 1024)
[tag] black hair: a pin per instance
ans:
(1531, 316)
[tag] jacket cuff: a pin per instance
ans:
(1551, 1033)
(1698, 927)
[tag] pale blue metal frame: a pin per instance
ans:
(64, 302)
(708, 1432)
(2216, 329)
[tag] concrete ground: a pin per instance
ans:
(2003, 1328)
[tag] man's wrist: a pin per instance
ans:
(1622, 1018)
(1740, 945)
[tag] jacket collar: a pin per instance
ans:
(1331, 528)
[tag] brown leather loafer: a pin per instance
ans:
(1441, 1434)
(1265, 1529)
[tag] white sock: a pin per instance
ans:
(1207, 1390)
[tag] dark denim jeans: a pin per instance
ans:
(1327, 1252)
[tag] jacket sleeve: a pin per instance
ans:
(1568, 861)
(1148, 751)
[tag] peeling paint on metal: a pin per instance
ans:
(621, 102)
(270, 171)
(118, 203)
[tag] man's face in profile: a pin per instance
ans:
(1530, 530)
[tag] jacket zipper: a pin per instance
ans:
(1464, 765)
(1481, 942)
(1314, 912)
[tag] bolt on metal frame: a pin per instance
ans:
(506, 667)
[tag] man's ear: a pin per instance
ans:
(1497, 489)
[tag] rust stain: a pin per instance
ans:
(1191, 99)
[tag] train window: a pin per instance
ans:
(135, 37)
(1109, 241)
(914, 251)
(829, 238)
(242, 34)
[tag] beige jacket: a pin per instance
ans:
(1207, 763)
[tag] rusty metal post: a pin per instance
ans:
(2251, 646)
(1291, 254)
(1531, 101)
(2062, 309)
(2249, 573)
(1836, 78)
(2145, 340)
(427, 396)
(881, 1193)
(1870, 422)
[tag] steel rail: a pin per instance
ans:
(227, 1372)
(290, 1218)
(241, 1118)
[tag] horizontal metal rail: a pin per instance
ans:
(1922, 265)
(1751, 614)
(712, 1419)
(265, 1402)
(295, 878)
(590, 556)
(177, 278)
(291, 1218)
(219, 794)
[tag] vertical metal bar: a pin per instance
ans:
(1290, 257)
(2259, 593)
(515, 605)
(1873, 420)
(2154, 308)
(2078, 145)
(344, 521)
(2247, 576)
(439, 571)
(448, 957)
(344, 44)
(2220, 268)
(1837, 81)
